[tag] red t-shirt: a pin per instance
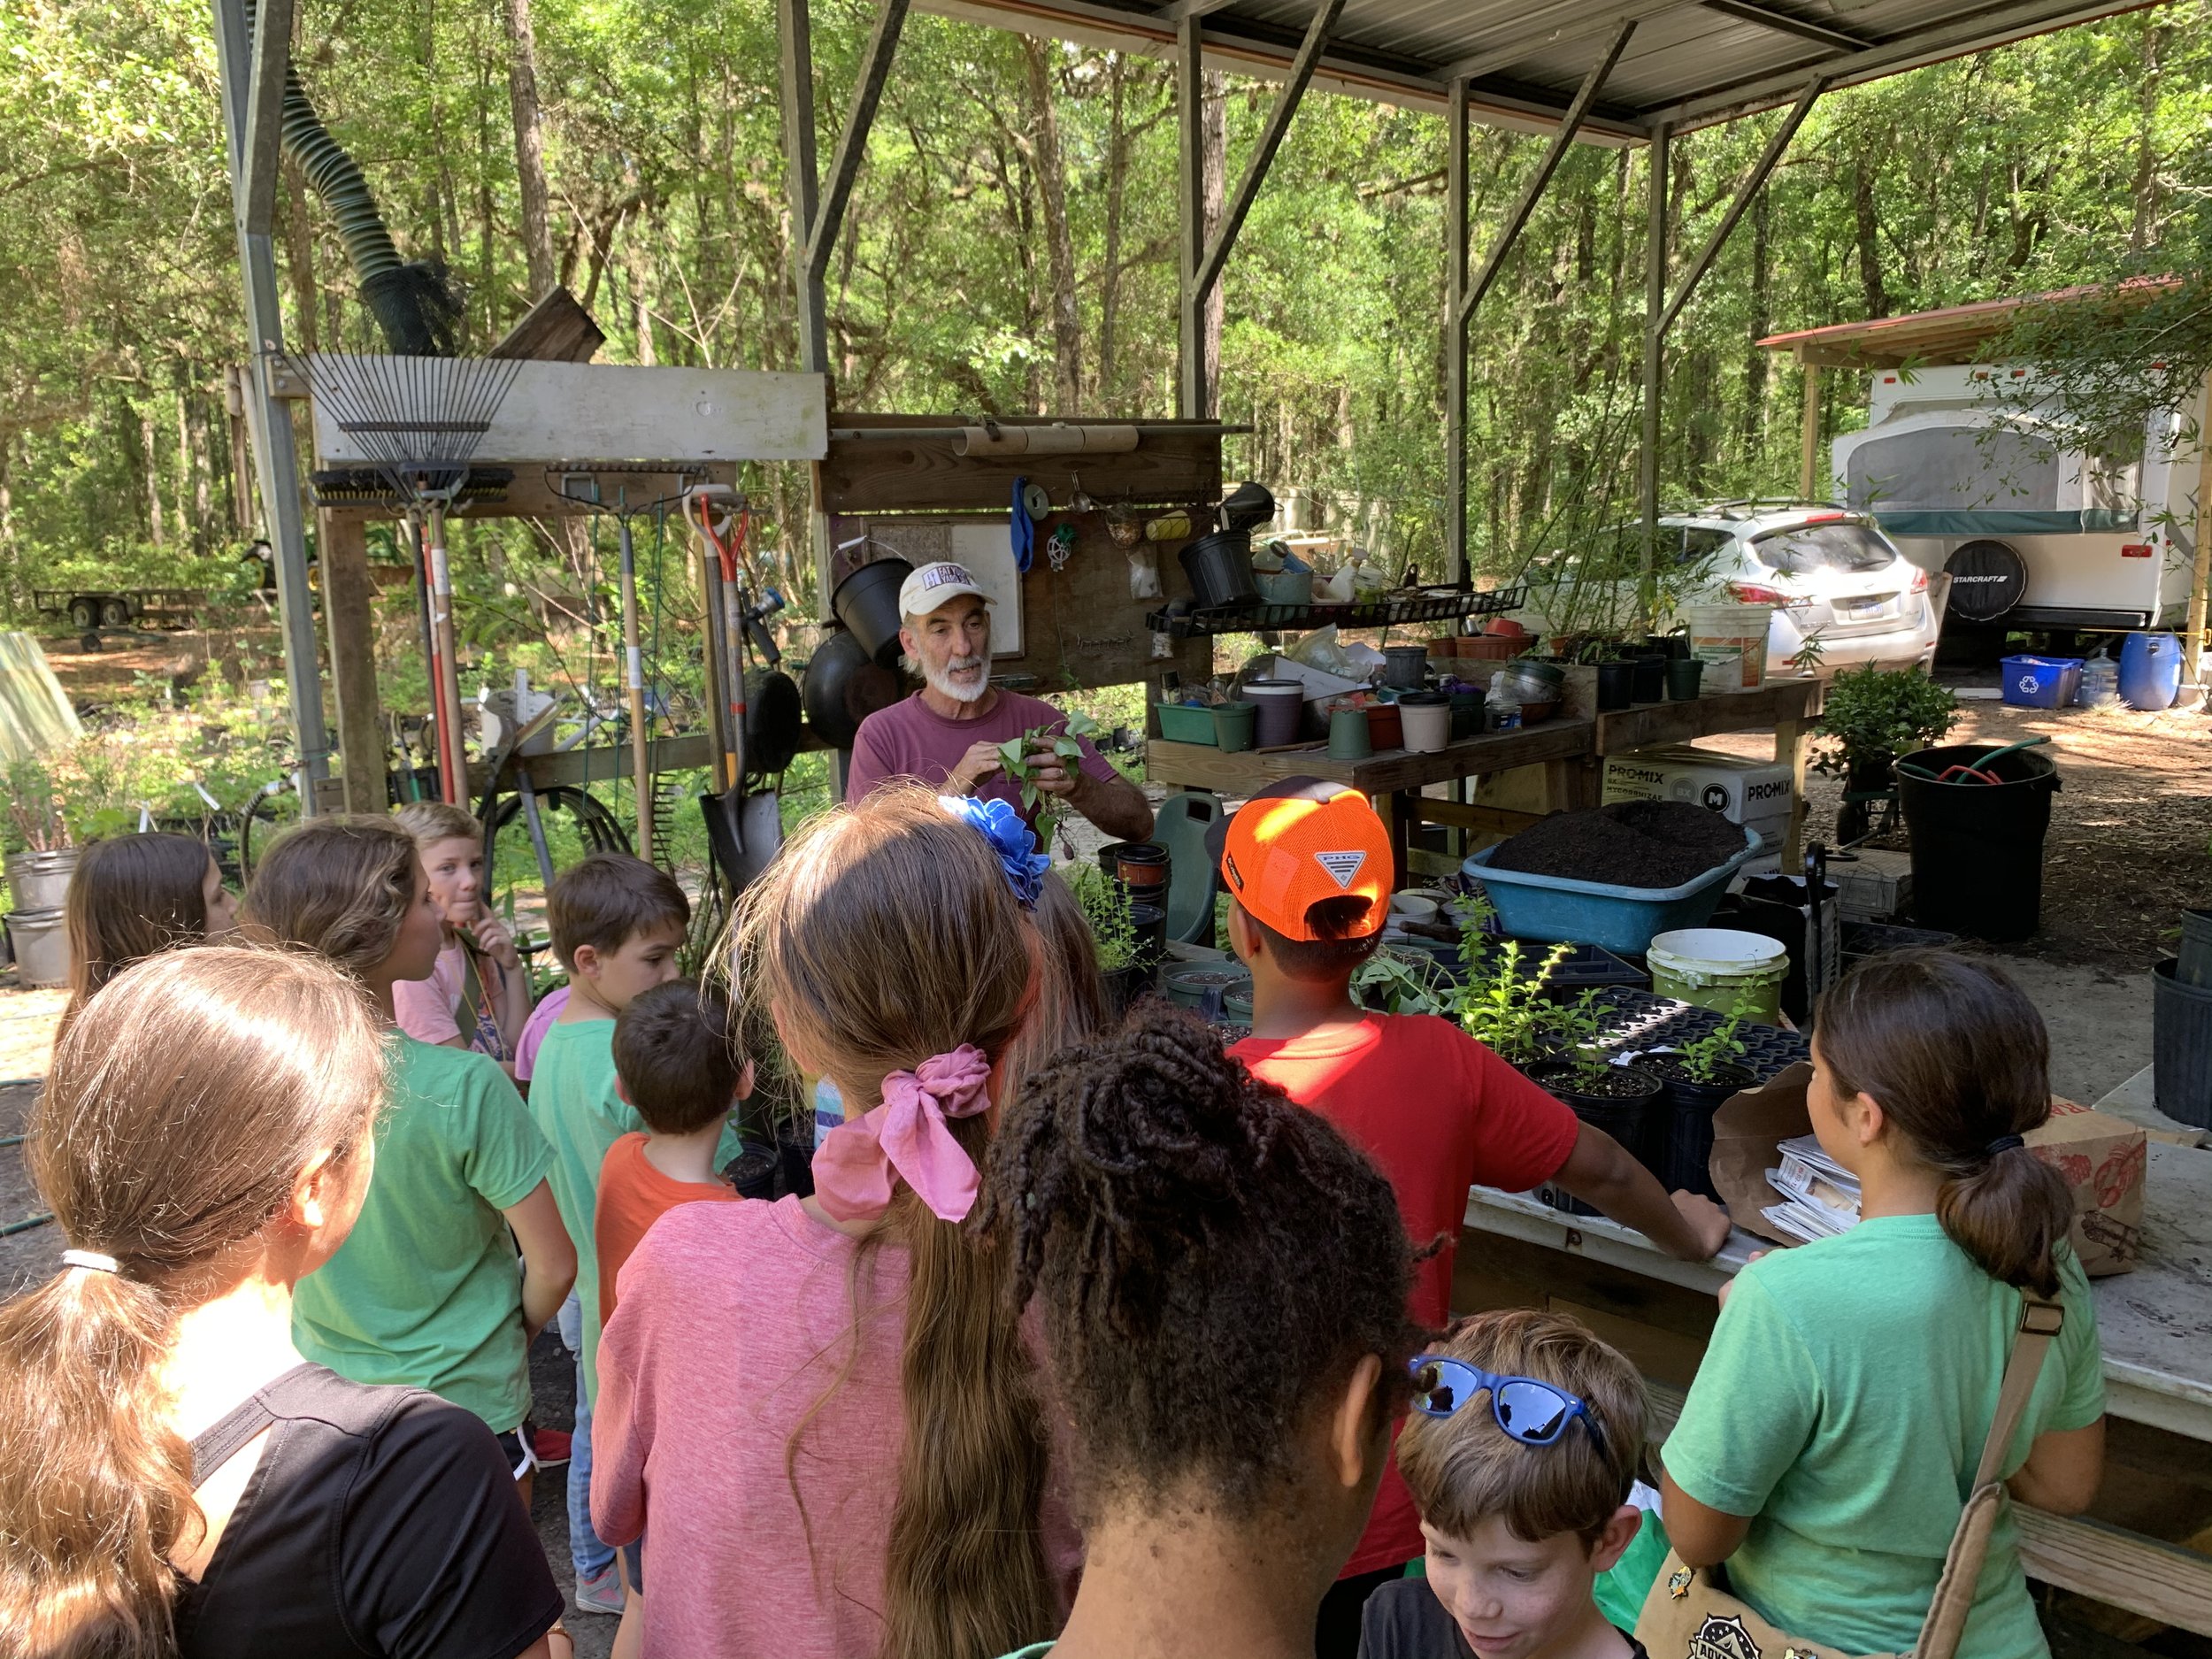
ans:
(632, 1196)
(1438, 1113)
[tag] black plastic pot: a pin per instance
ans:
(753, 1172)
(795, 1161)
(1650, 685)
(1977, 848)
(1617, 685)
(2181, 1048)
(843, 687)
(867, 603)
(1124, 986)
(1220, 568)
(1143, 867)
(1684, 1137)
(1627, 1120)
(1150, 922)
(1684, 674)
(1245, 506)
(1109, 853)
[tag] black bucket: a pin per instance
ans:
(2181, 1048)
(867, 603)
(1684, 1160)
(1220, 569)
(1978, 847)
(753, 1172)
(1628, 1120)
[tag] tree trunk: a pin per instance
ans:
(1870, 241)
(1109, 274)
(150, 461)
(1755, 371)
(299, 254)
(10, 554)
(2145, 190)
(522, 95)
(1052, 193)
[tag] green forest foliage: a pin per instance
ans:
(1010, 247)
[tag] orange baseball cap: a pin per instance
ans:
(1303, 840)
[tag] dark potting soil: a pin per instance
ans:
(1611, 1082)
(1629, 844)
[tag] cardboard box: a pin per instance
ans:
(2102, 1157)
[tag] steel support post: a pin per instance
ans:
(1658, 157)
(1457, 315)
(795, 66)
(251, 66)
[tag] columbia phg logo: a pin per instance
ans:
(1721, 1638)
(1341, 866)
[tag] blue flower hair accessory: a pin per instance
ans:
(1009, 837)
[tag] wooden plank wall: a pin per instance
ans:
(1080, 628)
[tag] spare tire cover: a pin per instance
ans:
(1987, 579)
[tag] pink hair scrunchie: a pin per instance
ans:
(906, 1137)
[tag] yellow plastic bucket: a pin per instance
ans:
(1721, 969)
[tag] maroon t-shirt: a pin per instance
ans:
(911, 740)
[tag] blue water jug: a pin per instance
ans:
(2150, 671)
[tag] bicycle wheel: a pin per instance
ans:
(576, 822)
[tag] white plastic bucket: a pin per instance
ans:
(1732, 642)
(1718, 968)
(1427, 726)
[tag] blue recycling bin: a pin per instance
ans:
(2041, 682)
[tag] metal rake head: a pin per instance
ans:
(417, 420)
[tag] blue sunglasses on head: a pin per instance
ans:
(1531, 1412)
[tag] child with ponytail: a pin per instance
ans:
(1831, 1435)
(427, 1291)
(819, 1410)
(132, 895)
(1222, 1281)
(174, 1480)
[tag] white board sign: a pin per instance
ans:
(988, 550)
(598, 411)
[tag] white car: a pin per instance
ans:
(1830, 573)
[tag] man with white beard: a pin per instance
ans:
(948, 733)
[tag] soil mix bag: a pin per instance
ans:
(2102, 1157)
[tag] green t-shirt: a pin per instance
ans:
(426, 1290)
(1843, 1403)
(572, 1097)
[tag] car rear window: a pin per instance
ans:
(1850, 548)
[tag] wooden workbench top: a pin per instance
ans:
(1383, 772)
(2154, 1323)
(1649, 725)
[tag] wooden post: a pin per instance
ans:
(1457, 565)
(1190, 196)
(1808, 460)
(349, 616)
(1789, 750)
(2200, 588)
(1657, 155)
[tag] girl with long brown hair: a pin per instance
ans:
(136, 894)
(173, 1478)
(827, 1400)
(425, 1292)
(1837, 1416)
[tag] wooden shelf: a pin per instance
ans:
(1781, 702)
(1387, 772)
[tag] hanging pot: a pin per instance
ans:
(843, 687)
(774, 709)
(867, 603)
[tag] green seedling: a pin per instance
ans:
(1105, 905)
(1019, 755)
(1497, 1006)
(1580, 1031)
(1700, 1060)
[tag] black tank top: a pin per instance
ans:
(379, 1522)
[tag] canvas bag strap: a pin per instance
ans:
(2040, 1320)
(476, 1004)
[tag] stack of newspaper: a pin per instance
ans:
(1820, 1198)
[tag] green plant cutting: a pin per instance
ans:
(1500, 1007)
(1020, 755)
(1702, 1061)
(1404, 982)
(1105, 906)
(1578, 1031)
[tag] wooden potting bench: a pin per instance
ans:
(2146, 1548)
(1559, 763)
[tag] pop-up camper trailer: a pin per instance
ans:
(1959, 464)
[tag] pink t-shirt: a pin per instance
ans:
(911, 740)
(732, 1324)
(542, 1018)
(425, 1008)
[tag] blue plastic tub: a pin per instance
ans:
(1620, 919)
(2040, 682)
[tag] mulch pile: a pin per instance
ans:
(1630, 844)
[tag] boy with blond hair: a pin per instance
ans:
(1521, 1451)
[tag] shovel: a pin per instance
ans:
(744, 830)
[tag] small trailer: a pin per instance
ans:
(91, 608)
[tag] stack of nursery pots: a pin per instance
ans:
(2181, 1050)
(39, 884)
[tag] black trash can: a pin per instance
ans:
(1978, 847)
(2181, 1048)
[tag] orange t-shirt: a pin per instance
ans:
(1438, 1113)
(632, 1196)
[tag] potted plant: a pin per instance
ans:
(1870, 718)
(1114, 937)
(1615, 1098)
(1699, 1077)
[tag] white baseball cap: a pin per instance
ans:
(934, 585)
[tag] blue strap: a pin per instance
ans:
(1023, 529)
